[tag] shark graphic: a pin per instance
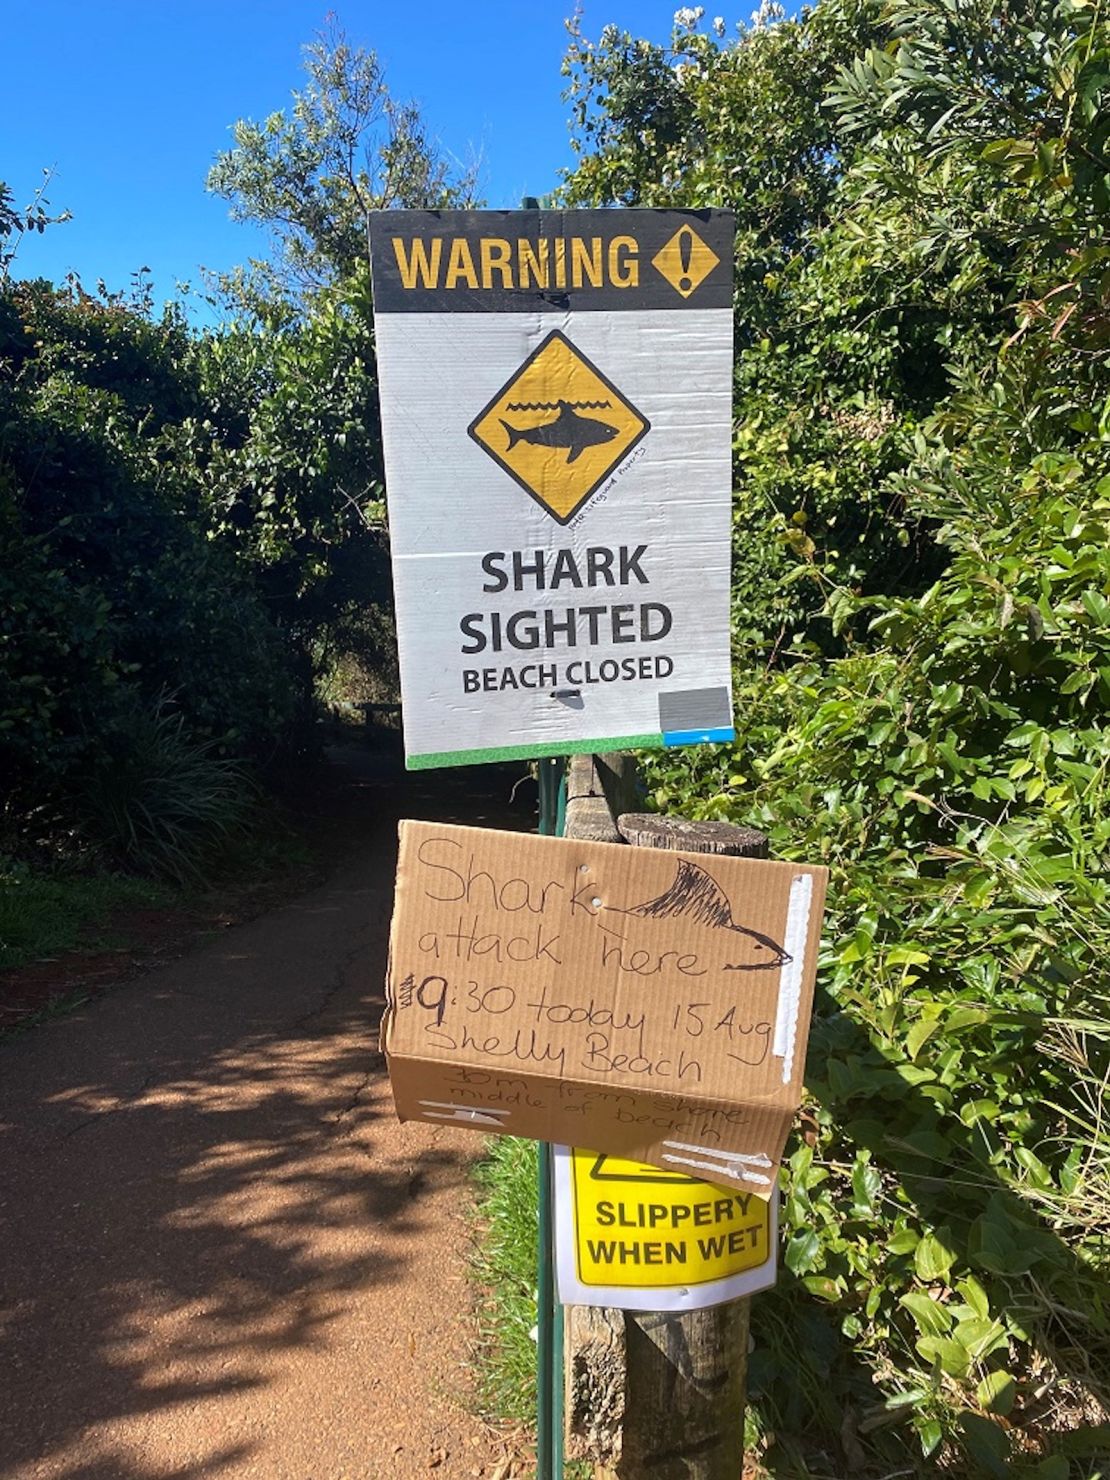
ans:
(568, 431)
(696, 896)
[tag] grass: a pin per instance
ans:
(48, 910)
(503, 1265)
(43, 915)
(504, 1270)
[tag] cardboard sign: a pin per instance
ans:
(556, 401)
(653, 1005)
(638, 1237)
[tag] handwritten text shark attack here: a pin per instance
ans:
(464, 984)
(586, 625)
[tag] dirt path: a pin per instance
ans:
(220, 1254)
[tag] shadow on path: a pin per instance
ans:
(200, 1172)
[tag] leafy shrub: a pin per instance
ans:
(928, 717)
(178, 513)
(159, 800)
(835, 360)
(189, 513)
(116, 589)
(949, 1206)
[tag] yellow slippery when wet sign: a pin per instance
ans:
(640, 1225)
(648, 1238)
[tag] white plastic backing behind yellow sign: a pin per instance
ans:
(640, 1237)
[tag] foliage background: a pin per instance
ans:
(922, 562)
(192, 533)
(192, 537)
(181, 519)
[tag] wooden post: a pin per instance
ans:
(658, 1394)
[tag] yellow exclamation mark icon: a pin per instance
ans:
(685, 252)
(685, 261)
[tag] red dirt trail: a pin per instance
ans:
(220, 1254)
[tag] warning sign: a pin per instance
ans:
(616, 1169)
(559, 427)
(685, 261)
(556, 410)
(640, 1237)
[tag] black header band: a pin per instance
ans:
(550, 261)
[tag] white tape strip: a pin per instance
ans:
(734, 1164)
(434, 1110)
(790, 981)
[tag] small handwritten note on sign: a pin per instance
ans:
(637, 1237)
(653, 1005)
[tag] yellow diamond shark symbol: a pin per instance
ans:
(559, 427)
(685, 261)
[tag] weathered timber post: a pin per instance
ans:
(658, 1395)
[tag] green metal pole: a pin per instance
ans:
(549, 1313)
(551, 784)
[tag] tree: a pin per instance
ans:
(14, 223)
(314, 174)
(832, 365)
(130, 636)
(297, 490)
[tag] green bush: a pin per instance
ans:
(950, 1211)
(923, 598)
(835, 361)
(189, 514)
(158, 801)
(115, 590)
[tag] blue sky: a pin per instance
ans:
(129, 102)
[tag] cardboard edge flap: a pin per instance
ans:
(386, 1025)
(385, 1031)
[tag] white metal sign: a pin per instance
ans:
(556, 418)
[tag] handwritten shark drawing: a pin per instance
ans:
(569, 432)
(696, 896)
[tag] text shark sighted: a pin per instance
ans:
(583, 625)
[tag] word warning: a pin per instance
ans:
(556, 403)
(640, 1237)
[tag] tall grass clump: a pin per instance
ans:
(161, 802)
(504, 1270)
